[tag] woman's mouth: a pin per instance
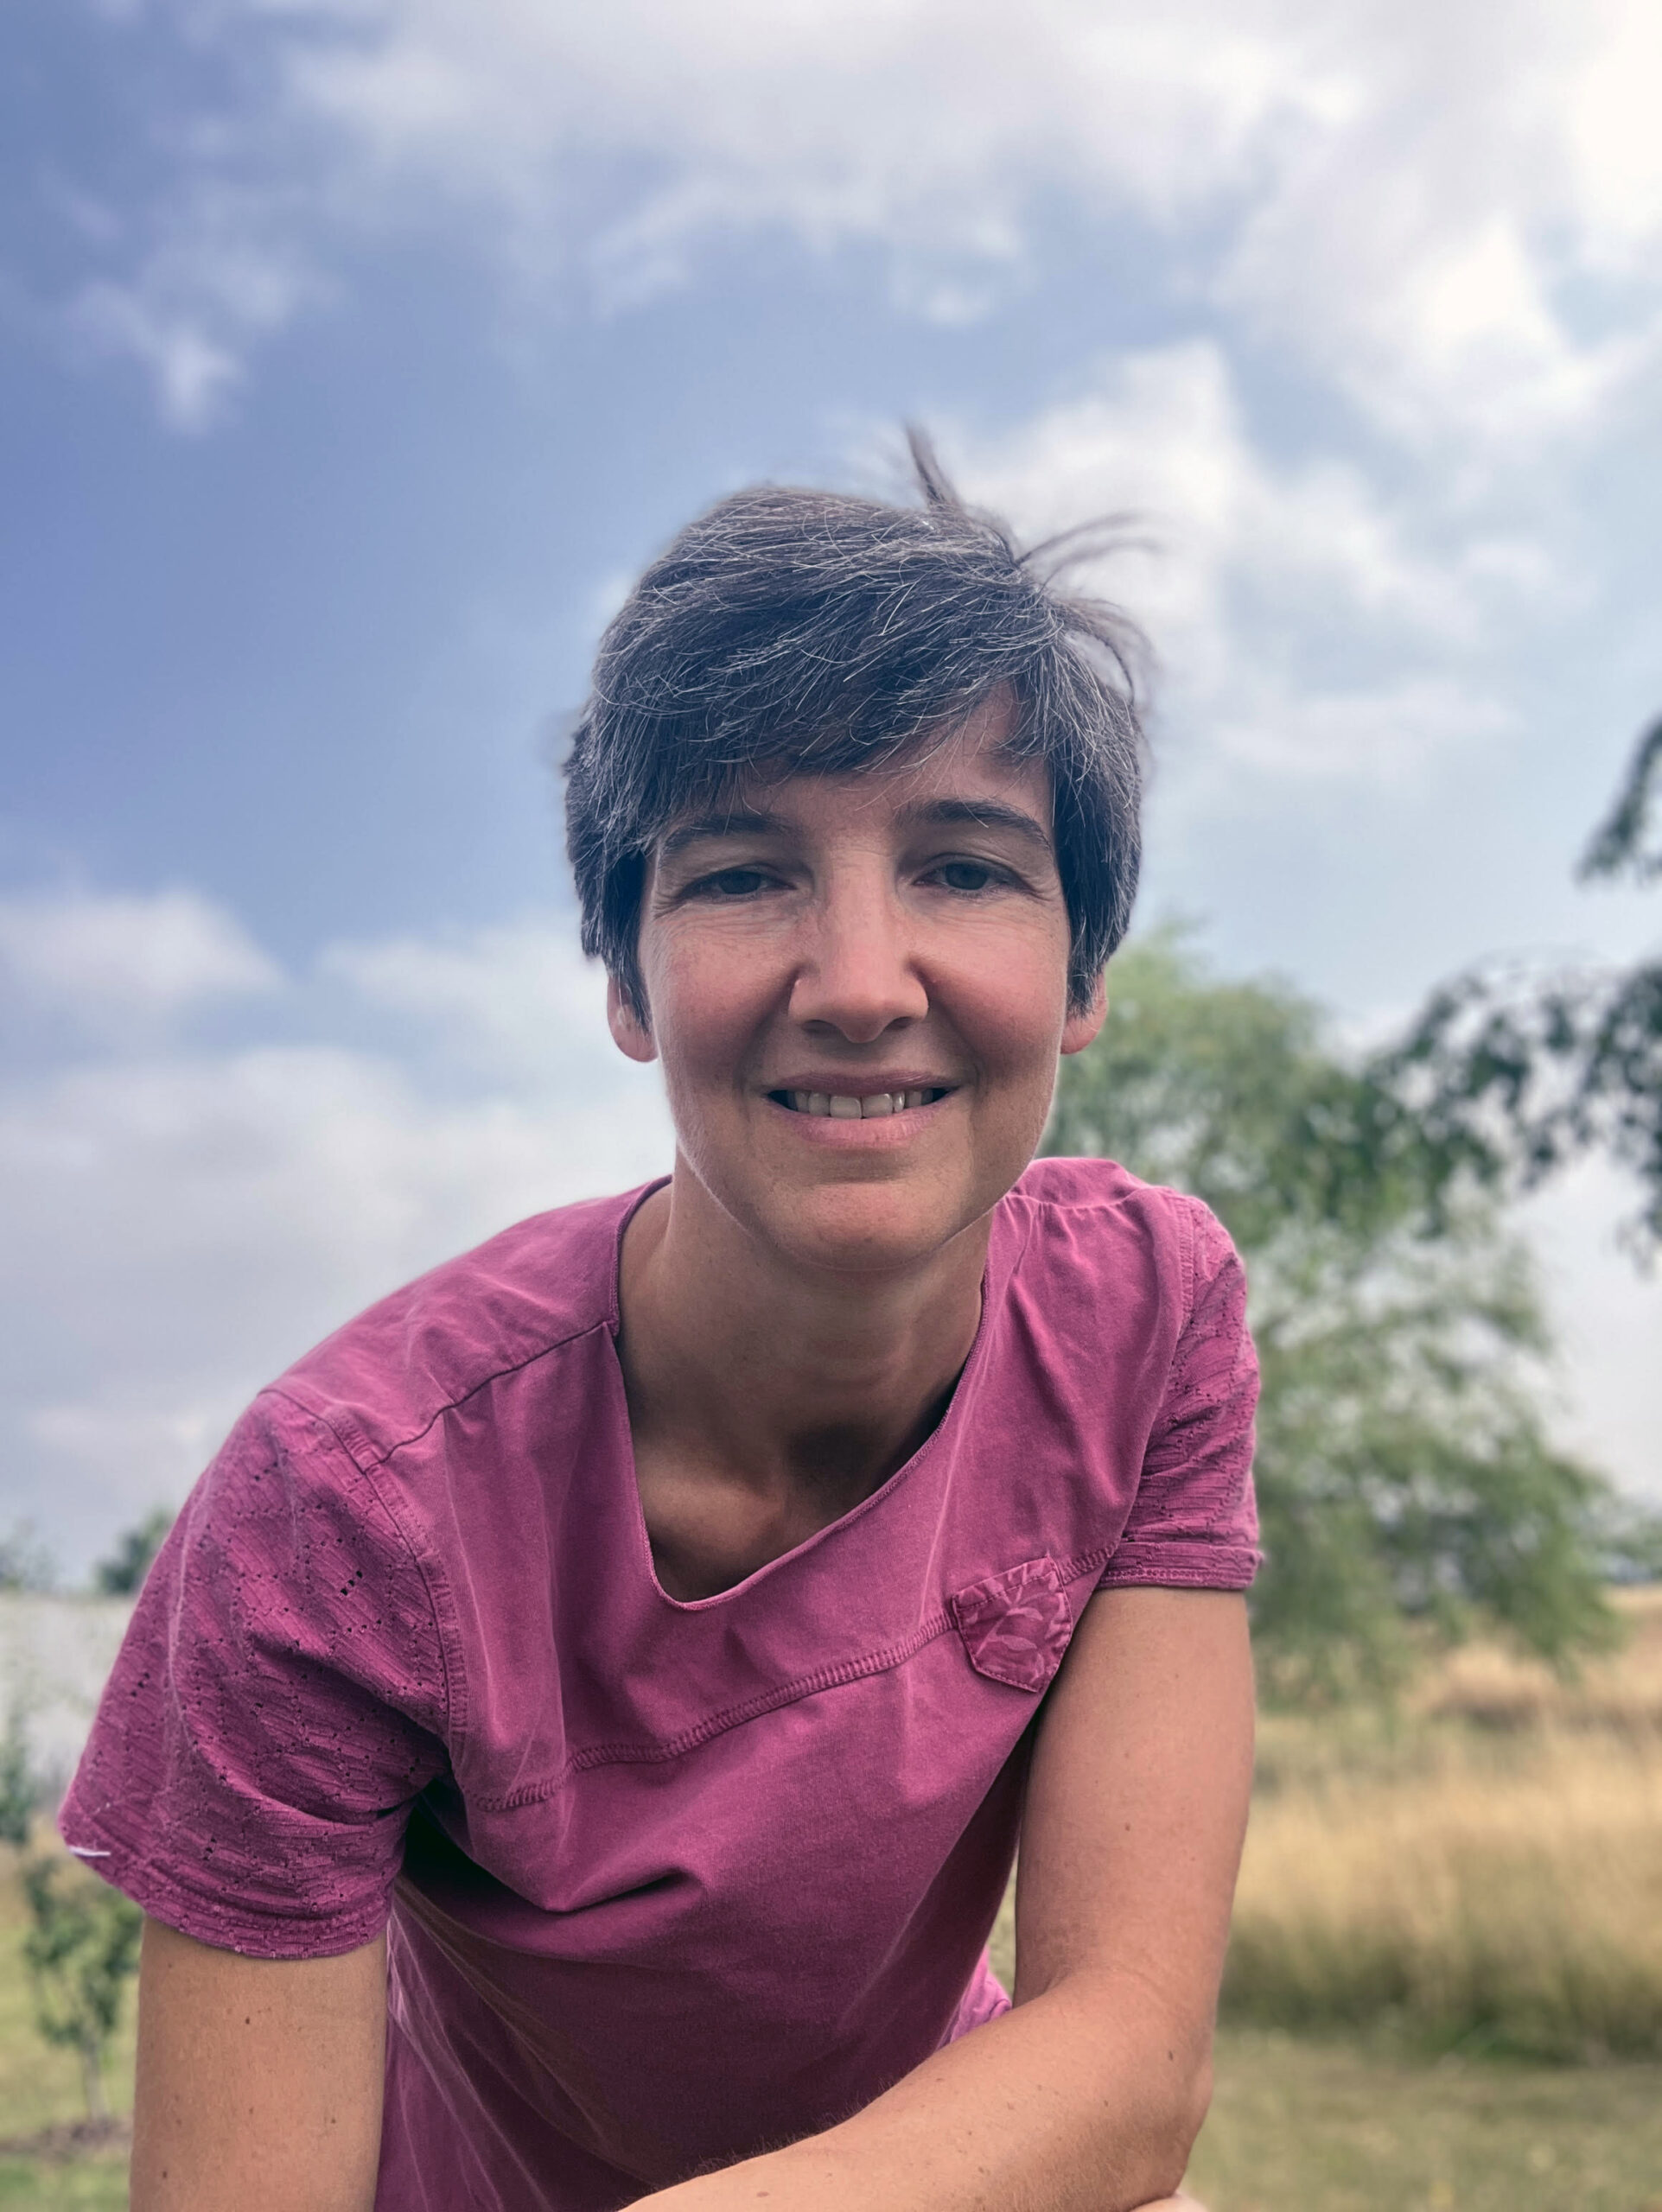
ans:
(846, 1106)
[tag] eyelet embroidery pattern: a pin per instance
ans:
(1016, 1626)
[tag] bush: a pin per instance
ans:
(81, 1949)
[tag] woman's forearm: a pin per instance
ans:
(1087, 2100)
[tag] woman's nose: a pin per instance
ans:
(858, 973)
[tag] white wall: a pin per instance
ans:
(55, 1655)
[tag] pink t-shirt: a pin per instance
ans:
(668, 1883)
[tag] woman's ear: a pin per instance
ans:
(1081, 1029)
(630, 1034)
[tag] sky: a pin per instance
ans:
(354, 354)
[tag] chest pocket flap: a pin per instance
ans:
(1016, 1626)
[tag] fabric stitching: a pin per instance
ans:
(143, 1877)
(640, 1752)
(449, 1658)
(608, 1321)
(1188, 1244)
(380, 1456)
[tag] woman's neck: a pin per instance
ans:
(767, 1399)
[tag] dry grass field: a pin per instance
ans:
(1445, 1982)
(1484, 1870)
(1445, 1989)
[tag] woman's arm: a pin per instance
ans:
(1086, 2097)
(259, 2080)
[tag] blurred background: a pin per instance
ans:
(354, 354)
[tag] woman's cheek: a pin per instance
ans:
(1013, 1009)
(707, 997)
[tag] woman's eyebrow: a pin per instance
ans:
(736, 822)
(979, 813)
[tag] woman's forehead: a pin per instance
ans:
(946, 774)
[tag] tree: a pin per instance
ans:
(123, 1572)
(1406, 1484)
(25, 1564)
(18, 1791)
(81, 1948)
(1532, 1071)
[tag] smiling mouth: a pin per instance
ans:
(841, 1106)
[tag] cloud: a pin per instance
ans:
(123, 964)
(1423, 254)
(1309, 624)
(1163, 435)
(194, 366)
(514, 1000)
(192, 308)
(1612, 147)
(1409, 199)
(909, 119)
(181, 1221)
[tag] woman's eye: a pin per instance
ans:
(731, 883)
(966, 875)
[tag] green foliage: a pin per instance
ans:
(18, 1791)
(1406, 1485)
(1229, 1089)
(1529, 1071)
(81, 1949)
(123, 1572)
(80, 1946)
(1535, 1071)
(1618, 843)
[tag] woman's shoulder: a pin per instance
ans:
(1099, 1199)
(1090, 1232)
(389, 1374)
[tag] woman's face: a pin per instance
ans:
(857, 987)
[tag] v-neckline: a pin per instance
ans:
(937, 1439)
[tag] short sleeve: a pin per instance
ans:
(1194, 1523)
(278, 1703)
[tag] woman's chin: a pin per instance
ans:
(866, 1231)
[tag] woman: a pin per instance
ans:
(572, 1748)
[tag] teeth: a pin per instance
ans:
(841, 1107)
